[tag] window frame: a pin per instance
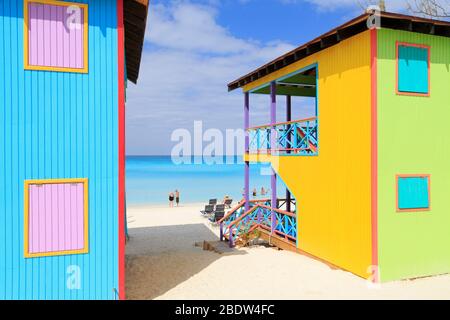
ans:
(397, 57)
(400, 176)
(27, 65)
(27, 184)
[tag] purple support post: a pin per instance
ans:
(289, 116)
(273, 116)
(273, 183)
(221, 231)
(231, 240)
(288, 119)
(273, 177)
(247, 150)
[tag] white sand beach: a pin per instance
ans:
(163, 263)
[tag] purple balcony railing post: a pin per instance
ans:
(273, 177)
(289, 137)
(247, 150)
(273, 116)
(247, 120)
(221, 231)
(231, 240)
(273, 182)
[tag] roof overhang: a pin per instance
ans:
(135, 21)
(345, 31)
(299, 84)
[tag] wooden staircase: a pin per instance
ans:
(273, 239)
(277, 241)
(277, 227)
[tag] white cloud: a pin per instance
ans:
(192, 28)
(184, 76)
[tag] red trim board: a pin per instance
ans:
(121, 84)
(374, 151)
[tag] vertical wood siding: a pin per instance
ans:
(334, 189)
(56, 125)
(413, 244)
(52, 43)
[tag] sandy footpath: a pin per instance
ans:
(163, 263)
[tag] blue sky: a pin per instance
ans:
(194, 48)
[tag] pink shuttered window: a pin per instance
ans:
(56, 36)
(55, 217)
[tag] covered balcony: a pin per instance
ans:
(297, 134)
(292, 136)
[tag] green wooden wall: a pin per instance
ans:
(414, 138)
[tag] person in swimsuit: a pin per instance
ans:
(171, 198)
(177, 197)
(255, 193)
(263, 191)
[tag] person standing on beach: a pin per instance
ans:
(255, 193)
(177, 197)
(171, 197)
(263, 192)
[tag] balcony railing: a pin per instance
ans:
(259, 215)
(295, 137)
(238, 222)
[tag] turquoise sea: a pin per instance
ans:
(149, 179)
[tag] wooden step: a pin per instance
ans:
(274, 240)
(277, 241)
(287, 245)
(284, 244)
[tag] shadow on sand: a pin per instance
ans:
(160, 258)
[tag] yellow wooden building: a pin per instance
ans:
(329, 161)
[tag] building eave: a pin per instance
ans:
(343, 32)
(135, 21)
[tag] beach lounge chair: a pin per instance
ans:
(218, 212)
(208, 210)
(213, 202)
(216, 216)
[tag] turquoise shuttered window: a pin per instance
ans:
(413, 193)
(413, 69)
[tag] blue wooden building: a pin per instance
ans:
(63, 73)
